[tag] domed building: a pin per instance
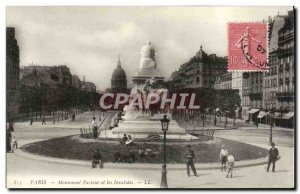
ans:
(119, 80)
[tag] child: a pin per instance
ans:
(14, 144)
(230, 165)
(223, 157)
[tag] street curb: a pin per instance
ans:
(136, 166)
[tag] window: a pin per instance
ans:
(54, 77)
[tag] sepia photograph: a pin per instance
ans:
(150, 97)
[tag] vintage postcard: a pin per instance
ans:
(150, 97)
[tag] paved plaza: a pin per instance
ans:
(25, 171)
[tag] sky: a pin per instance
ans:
(89, 39)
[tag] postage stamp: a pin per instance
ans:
(247, 48)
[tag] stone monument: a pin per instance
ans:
(148, 67)
(142, 123)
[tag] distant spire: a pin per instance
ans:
(200, 47)
(119, 61)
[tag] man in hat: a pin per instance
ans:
(273, 157)
(31, 121)
(43, 121)
(189, 155)
(97, 159)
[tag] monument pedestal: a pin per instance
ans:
(141, 79)
(140, 129)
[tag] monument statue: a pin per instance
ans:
(147, 57)
(148, 66)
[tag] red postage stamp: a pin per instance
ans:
(247, 48)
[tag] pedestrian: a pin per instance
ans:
(73, 117)
(230, 165)
(141, 154)
(125, 138)
(14, 144)
(31, 120)
(11, 126)
(223, 157)
(8, 141)
(132, 156)
(129, 141)
(189, 155)
(43, 121)
(257, 122)
(273, 157)
(81, 132)
(95, 127)
(117, 157)
(97, 159)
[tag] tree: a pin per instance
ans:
(228, 101)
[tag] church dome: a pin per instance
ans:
(118, 74)
(118, 80)
(200, 54)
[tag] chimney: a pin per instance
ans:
(83, 78)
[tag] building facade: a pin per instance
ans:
(12, 71)
(256, 90)
(89, 87)
(270, 79)
(76, 83)
(37, 75)
(199, 72)
(285, 95)
(223, 81)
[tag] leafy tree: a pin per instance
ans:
(228, 101)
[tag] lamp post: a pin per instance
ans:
(164, 126)
(271, 127)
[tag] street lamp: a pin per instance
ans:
(164, 126)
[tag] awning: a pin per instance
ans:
(288, 115)
(238, 109)
(253, 111)
(262, 114)
(277, 115)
